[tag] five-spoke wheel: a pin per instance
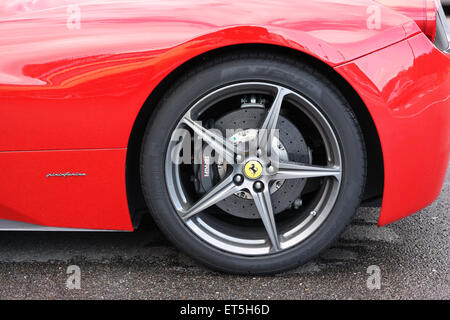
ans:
(257, 169)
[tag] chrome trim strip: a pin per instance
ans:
(10, 225)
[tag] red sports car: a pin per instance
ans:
(250, 130)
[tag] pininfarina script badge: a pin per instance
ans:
(65, 175)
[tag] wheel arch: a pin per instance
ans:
(375, 174)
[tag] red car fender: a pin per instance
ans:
(406, 90)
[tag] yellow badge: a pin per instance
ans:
(253, 169)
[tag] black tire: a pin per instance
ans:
(252, 67)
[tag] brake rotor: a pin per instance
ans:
(291, 146)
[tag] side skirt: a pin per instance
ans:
(9, 225)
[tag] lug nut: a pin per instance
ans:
(271, 169)
(258, 186)
(238, 179)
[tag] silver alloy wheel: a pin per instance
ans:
(269, 238)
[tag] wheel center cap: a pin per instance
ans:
(253, 169)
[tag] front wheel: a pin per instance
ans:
(252, 164)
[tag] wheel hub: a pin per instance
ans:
(253, 169)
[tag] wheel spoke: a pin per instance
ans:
(217, 142)
(267, 130)
(265, 210)
(292, 170)
(221, 191)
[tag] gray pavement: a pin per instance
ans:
(413, 256)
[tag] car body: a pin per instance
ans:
(78, 79)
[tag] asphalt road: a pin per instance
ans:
(413, 256)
